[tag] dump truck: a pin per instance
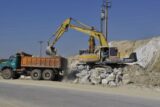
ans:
(39, 68)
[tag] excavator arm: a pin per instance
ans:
(60, 31)
(91, 32)
(66, 25)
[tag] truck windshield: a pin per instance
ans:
(3, 60)
(12, 57)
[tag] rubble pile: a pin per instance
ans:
(134, 74)
(148, 54)
(148, 51)
(140, 76)
(96, 76)
(107, 76)
(154, 79)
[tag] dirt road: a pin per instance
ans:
(28, 93)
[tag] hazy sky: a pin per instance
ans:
(25, 22)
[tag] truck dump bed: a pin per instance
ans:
(43, 62)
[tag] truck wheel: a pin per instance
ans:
(7, 73)
(16, 76)
(48, 75)
(36, 74)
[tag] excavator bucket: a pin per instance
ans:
(51, 51)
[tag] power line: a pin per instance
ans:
(104, 17)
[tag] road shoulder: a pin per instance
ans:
(132, 91)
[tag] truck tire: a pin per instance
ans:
(7, 73)
(36, 74)
(48, 74)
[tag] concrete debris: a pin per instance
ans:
(111, 77)
(112, 84)
(25, 77)
(119, 76)
(96, 75)
(108, 76)
(82, 77)
(104, 82)
(100, 76)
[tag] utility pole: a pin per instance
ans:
(104, 17)
(41, 45)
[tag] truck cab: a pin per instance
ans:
(10, 63)
(9, 66)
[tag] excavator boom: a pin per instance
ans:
(90, 31)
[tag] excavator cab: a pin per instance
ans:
(109, 53)
(113, 52)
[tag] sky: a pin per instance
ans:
(25, 22)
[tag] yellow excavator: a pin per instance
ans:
(99, 55)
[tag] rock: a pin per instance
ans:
(104, 76)
(116, 70)
(104, 82)
(108, 69)
(25, 77)
(112, 83)
(111, 77)
(84, 79)
(100, 70)
(81, 73)
(119, 76)
(148, 53)
(96, 75)
(95, 79)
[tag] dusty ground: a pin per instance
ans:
(28, 93)
(135, 91)
(4, 103)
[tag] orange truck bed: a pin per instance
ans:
(43, 62)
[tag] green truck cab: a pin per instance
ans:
(9, 66)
